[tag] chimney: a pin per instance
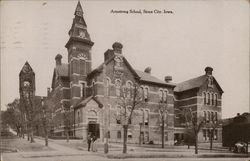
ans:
(117, 47)
(48, 91)
(168, 79)
(148, 70)
(58, 59)
(108, 54)
(209, 70)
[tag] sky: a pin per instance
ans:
(181, 44)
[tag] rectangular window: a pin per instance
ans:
(82, 67)
(119, 135)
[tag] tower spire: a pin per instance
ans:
(79, 11)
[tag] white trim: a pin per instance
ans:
(62, 100)
(63, 88)
(99, 83)
(75, 97)
(76, 74)
(185, 99)
(98, 95)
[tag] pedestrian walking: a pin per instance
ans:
(89, 140)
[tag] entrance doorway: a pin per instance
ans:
(94, 129)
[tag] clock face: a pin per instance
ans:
(81, 55)
(26, 83)
(82, 34)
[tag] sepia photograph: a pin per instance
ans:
(127, 80)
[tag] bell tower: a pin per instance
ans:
(79, 55)
(26, 81)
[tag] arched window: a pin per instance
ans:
(146, 117)
(205, 115)
(118, 87)
(207, 98)
(216, 116)
(107, 86)
(146, 94)
(129, 89)
(141, 93)
(208, 102)
(118, 115)
(82, 90)
(161, 93)
(165, 96)
(216, 100)
(208, 116)
(212, 116)
(204, 97)
(212, 99)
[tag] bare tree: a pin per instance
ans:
(129, 100)
(46, 119)
(213, 126)
(192, 123)
(163, 110)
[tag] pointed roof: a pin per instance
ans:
(79, 11)
(26, 69)
(83, 103)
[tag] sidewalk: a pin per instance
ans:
(59, 150)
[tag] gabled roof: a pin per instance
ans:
(194, 83)
(149, 78)
(141, 76)
(100, 67)
(84, 102)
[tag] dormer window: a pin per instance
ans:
(118, 87)
(210, 81)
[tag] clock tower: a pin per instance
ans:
(79, 55)
(26, 81)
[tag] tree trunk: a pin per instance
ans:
(125, 136)
(162, 132)
(196, 143)
(28, 133)
(46, 136)
(247, 147)
(67, 134)
(211, 140)
(106, 147)
(31, 136)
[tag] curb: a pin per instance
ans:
(124, 156)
